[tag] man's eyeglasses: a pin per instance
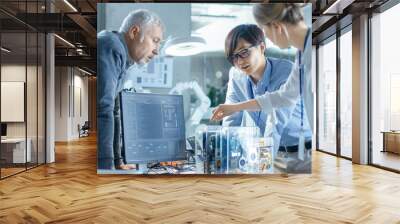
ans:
(242, 54)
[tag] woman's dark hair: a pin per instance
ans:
(249, 32)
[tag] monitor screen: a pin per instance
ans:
(3, 129)
(153, 127)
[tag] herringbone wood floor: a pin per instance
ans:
(70, 191)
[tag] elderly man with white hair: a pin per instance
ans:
(137, 41)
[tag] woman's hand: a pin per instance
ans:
(224, 110)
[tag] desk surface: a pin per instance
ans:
(390, 132)
(151, 171)
(191, 169)
(13, 140)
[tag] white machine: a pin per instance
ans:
(199, 112)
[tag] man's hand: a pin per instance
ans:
(126, 167)
(224, 110)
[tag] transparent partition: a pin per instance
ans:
(32, 98)
(41, 109)
(15, 151)
(385, 89)
(346, 94)
(22, 89)
(327, 97)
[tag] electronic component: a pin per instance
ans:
(223, 150)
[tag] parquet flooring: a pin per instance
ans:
(70, 191)
(10, 171)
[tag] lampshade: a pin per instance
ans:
(185, 46)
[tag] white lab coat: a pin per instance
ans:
(288, 94)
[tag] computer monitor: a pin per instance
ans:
(3, 129)
(153, 127)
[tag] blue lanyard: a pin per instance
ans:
(250, 88)
(252, 96)
(301, 72)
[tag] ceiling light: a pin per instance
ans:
(65, 41)
(84, 71)
(185, 46)
(338, 6)
(70, 5)
(5, 50)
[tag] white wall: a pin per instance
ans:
(69, 82)
(79, 117)
(12, 73)
(61, 103)
(17, 73)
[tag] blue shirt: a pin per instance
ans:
(241, 88)
(288, 94)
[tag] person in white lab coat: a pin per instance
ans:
(284, 25)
